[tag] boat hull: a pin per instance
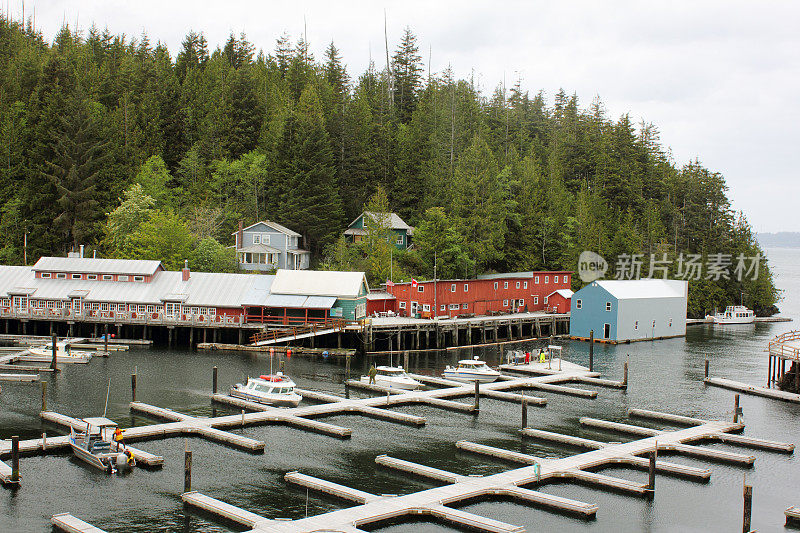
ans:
(40, 355)
(91, 459)
(283, 400)
(469, 378)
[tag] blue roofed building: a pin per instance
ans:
(629, 310)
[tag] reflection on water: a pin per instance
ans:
(664, 375)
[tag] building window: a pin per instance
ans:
(454, 307)
(670, 322)
(400, 239)
(257, 238)
(654, 323)
(536, 300)
(518, 284)
(426, 307)
(91, 277)
(138, 278)
(636, 325)
(442, 307)
(104, 306)
(505, 303)
(265, 238)
(108, 277)
(466, 287)
(578, 304)
(45, 274)
(547, 279)
(122, 278)
(521, 303)
(402, 305)
(525, 285)
(536, 280)
(608, 306)
(546, 298)
(453, 287)
(505, 284)
(420, 288)
(74, 276)
(464, 306)
(495, 285)
(61, 275)
(555, 279)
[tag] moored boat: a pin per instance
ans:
(269, 389)
(95, 447)
(469, 370)
(735, 314)
(64, 354)
(394, 377)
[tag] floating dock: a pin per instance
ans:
(70, 524)
(764, 392)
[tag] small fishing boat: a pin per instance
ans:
(469, 370)
(394, 377)
(735, 314)
(64, 354)
(269, 389)
(95, 446)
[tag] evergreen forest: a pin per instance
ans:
(110, 142)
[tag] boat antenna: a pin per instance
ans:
(108, 391)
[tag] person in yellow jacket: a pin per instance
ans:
(542, 357)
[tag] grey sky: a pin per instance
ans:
(720, 79)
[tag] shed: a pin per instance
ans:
(630, 310)
(559, 301)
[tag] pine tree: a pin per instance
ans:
(407, 71)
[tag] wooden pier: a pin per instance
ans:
(70, 524)
(765, 392)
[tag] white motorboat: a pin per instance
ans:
(64, 354)
(269, 389)
(469, 370)
(735, 314)
(95, 446)
(394, 377)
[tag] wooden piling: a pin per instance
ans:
(651, 478)
(105, 338)
(214, 379)
(735, 408)
(187, 471)
(347, 367)
(133, 387)
(625, 373)
(55, 349)
(524, 411)
(477, 395)
(706, 368)
(748, 508)
(15, 459)
(44, 396)
(591, 350)
(769, 371)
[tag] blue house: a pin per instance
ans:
(402, 233)
(267, 246)
(629, 310)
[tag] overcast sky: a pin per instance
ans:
(720, 79)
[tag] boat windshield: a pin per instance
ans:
(389, 372)
(474, 365)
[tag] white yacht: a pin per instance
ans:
(735, 314)
(64, 354)
(274, 389)
(469, 370)
(394, 377)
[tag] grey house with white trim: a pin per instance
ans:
(267, 246)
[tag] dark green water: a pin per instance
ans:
(664, 375)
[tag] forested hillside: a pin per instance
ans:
(106, 140)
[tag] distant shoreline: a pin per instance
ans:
(781, 239)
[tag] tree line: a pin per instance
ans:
(107, 140)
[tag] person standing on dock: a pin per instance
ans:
(372, 373)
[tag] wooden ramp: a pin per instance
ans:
(297, 336)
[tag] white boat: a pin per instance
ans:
(95, 446)
(394, 377)
(469, 370)
(273, 389)
(64, 354)
(735, 314)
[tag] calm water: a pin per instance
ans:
(663, 376)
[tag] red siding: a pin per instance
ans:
(481, 296)
(381, 305)
(559, 304)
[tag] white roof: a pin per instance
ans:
(565, 293)
(394, 220)
(97, 266)
(645, 288)
(99, 421)
(319, 283)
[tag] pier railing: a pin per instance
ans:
(130, 317)
(779, 348)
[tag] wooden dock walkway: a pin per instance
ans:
(70, 524)
(437, 502)
(764, 392)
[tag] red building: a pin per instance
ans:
(559, 301)
(513, 292)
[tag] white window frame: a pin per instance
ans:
(521, 302)
(104, 306)
(636, 325)
(61, 275)
(578, 303)
(546, 298)
(426, 307)
(505, 303)
(536, 300)
(91, 277)
(524, 284)
(420, 288)
(45, 275)
(505, 284)
(466, 287)
(122, 278)
(265, 239)
(443, 307)
(138, 279)
(452, 287)
(464, 306)
(608, 306)
(108, 277)
(518, 284)
(74, 276)
(399, 239)
(455, 307)
(547, 279)
(495, 285)
(536, 280)
(256, 238)
(402, 305)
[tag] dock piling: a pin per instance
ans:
(524, 411)
(187, 471)
(214, 379)
(706, 368)
(55, 348)
(44, 441)
(736, 409)
(748, 508)
(133, 387)
(15, 459)
(44, 396)
(105, 338)
(625, 372)
(591, 350)
(651, 478)
(347, 367)
(477, 395)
